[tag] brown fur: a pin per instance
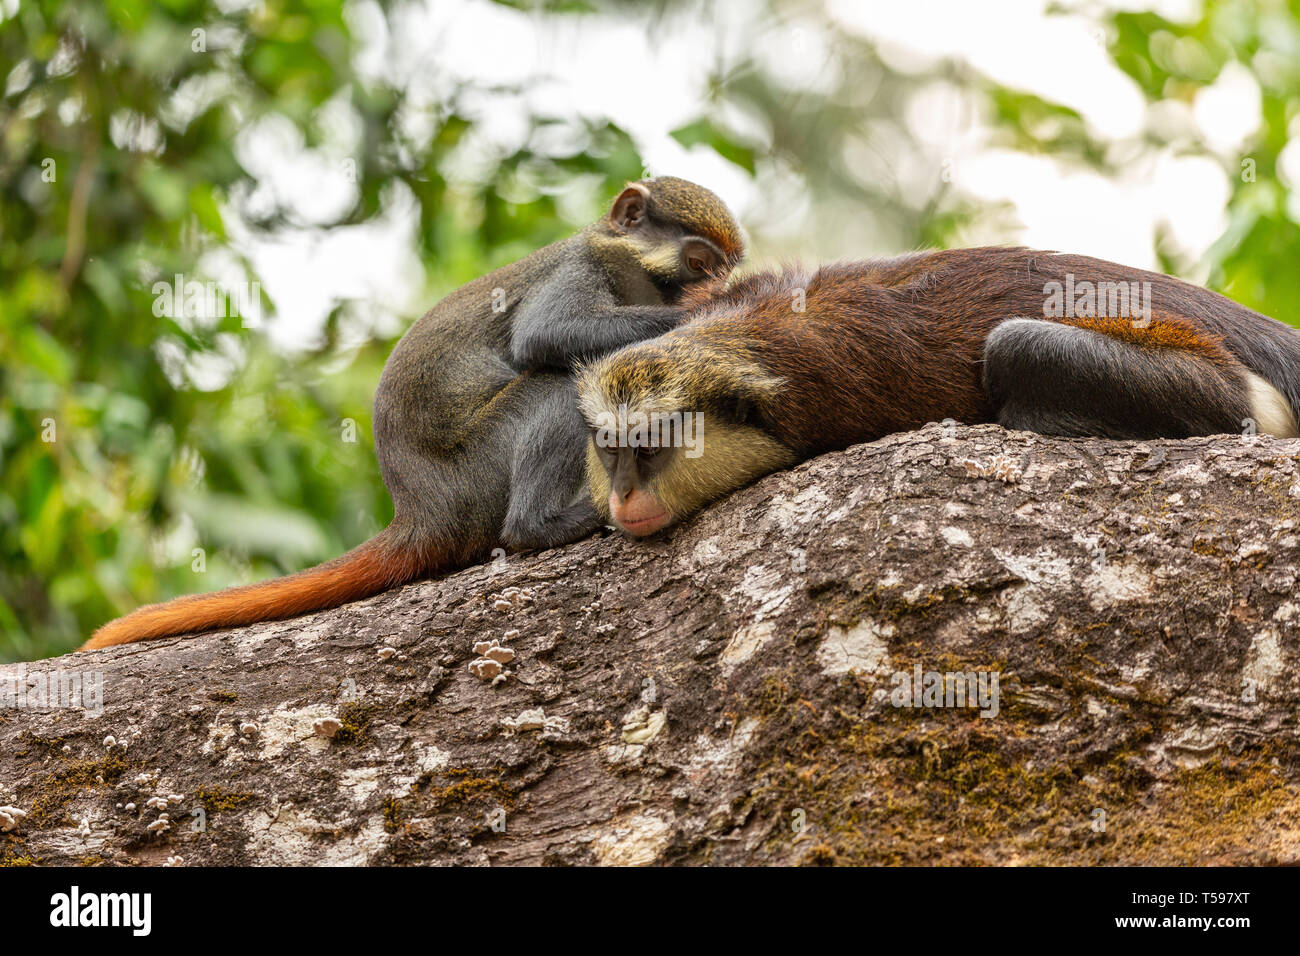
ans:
(889, 345)
(375, 566)
(1165, 331)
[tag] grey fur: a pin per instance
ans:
(1064, 380)
(475, 418)
(476, 425)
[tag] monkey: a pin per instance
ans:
(787, 365)
(476, 427)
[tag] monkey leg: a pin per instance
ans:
(453, 499)
(1164, 381)
(549, 502)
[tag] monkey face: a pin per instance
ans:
(631, 473)
(683, 267)
(644, 489)
(675, 425)
(680, 258)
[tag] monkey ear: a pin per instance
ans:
(751, 410)
(748, 412)
(629, 209)
(744, 393)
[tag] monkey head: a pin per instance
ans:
(682, 236)
(675, 425)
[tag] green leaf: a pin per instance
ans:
(704, 133)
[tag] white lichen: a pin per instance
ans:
(766, 589)
(957, 537)
(279, 730)
(640, 726)
(535, 719)
(635, 842)
(1265, 665)
(744, 644)
(861, 648)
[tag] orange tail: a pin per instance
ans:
(383, 562)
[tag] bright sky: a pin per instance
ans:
(565, 66)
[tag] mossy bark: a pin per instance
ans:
(728, 693)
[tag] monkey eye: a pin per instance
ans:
(699, 258)
(604, 451)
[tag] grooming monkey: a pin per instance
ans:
(476, 426)
(888, 345)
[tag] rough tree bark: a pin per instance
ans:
(727, 693)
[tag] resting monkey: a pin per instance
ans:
(889, 345)
(477, 431)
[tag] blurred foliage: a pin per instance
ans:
(1254, 260)
(112, 471)
(120, 167)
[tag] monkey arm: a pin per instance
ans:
(549, 504)
(558, 327)
(562, 341)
